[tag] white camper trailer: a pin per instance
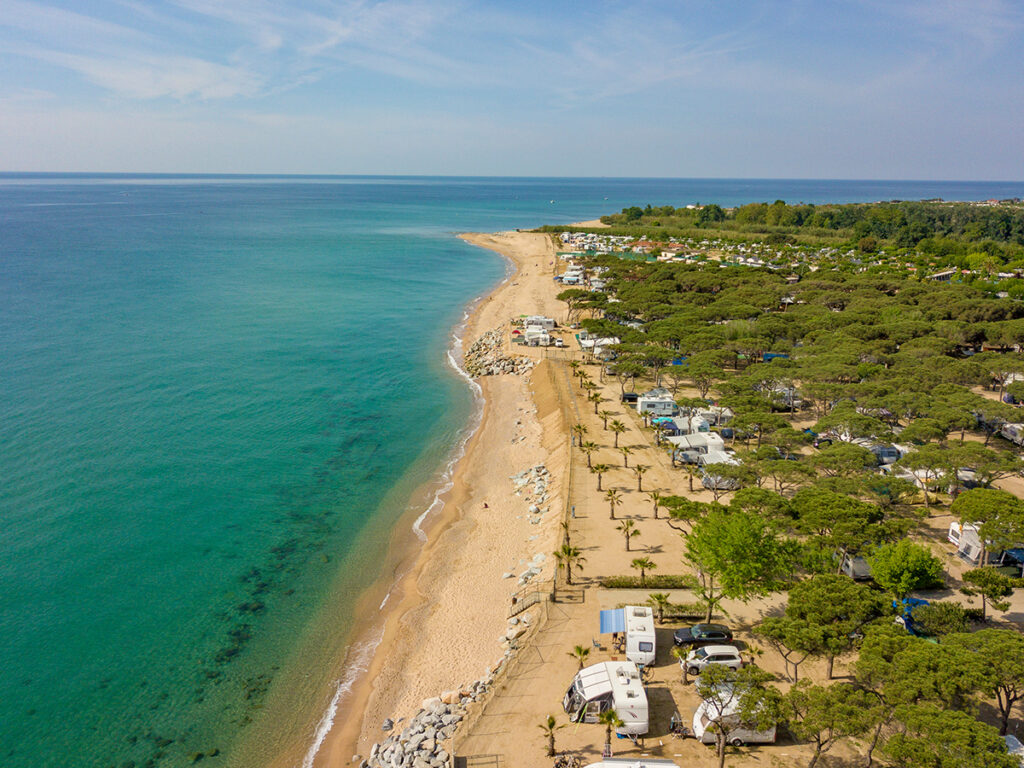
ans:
(640, 635)
(611, 685)
(636, 624)
(547, 323)
(637, 762)
(706, 716)
(1013, 432)
(965, 537)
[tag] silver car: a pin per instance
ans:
(700, 658)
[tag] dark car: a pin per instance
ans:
(699, 634)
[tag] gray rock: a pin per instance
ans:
(387, 725)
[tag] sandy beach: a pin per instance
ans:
(445, 618)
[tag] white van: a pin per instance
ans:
(611, 685)
(706, 715)
(640, 640)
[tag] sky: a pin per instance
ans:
(863, 89)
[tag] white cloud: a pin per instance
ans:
(151, 77)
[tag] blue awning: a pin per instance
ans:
(613, 621)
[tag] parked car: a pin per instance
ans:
(700, 634)
(699, 658)
(630, 397)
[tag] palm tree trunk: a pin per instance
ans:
(831, 664)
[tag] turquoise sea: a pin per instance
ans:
(208, 388)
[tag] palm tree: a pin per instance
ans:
(643, 564)
(605, 415)
(691, 470)
(618, 428)
(588, 447)
(569, 557)
(629, 530)
(549, 728)
(599, 469)
(639, 470)
(609, 719)
(658, 601)
(580, 653)
(579, 430)
(614, 500)
(681, 652)
(655, 497)
(625, 450)
(595, 398)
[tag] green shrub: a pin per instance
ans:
(652, 582)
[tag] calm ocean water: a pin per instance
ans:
(207, 388)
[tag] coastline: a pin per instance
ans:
(438, 625)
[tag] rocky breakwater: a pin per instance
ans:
(422, 742)
(486, 357)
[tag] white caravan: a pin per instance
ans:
(635, 762)
(640, 639)
(611, 685)
(964, 536)
(706, 716)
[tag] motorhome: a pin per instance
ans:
(640, 640)
(609, 686)
(709, 714)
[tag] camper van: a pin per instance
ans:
(640, 635)
(706, 716)
(611, 685)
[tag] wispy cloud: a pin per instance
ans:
(152, 77)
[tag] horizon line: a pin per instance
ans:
(287, 175)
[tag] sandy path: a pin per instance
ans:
(447, 615)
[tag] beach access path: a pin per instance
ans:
(446, 617)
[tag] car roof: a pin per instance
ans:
(711, 628)
(710, 649)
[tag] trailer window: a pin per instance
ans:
(646, 647)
